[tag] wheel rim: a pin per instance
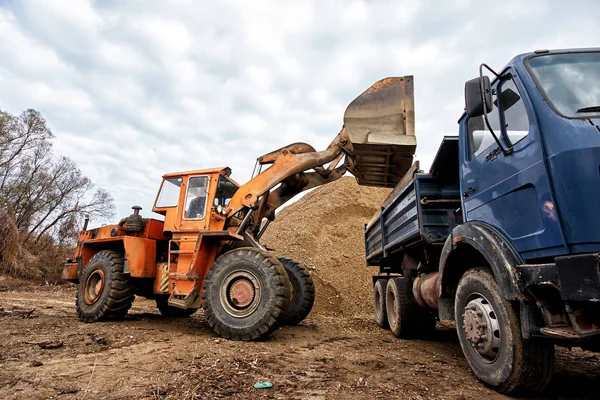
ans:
(482, 328)
(94, 286)
(240, 294)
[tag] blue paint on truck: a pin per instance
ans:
(516, 193)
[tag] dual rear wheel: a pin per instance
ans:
(396, 308)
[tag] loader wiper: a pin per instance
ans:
(589, 109)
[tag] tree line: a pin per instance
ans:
(43, 199)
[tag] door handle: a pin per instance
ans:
(468, 192)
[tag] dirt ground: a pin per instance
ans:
(151, 357)
(337, 352)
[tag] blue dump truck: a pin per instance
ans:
(502, 235)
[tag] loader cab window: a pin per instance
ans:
(169, 193)
(196, 198)
(225, 191)
(509, 112)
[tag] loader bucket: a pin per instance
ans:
(381, 125)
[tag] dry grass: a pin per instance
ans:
(42, 261)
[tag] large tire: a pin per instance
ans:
(507, 363)
(162, 303)
(104, 290)
(406, 318)
(244, 294)
(303, 292)
(379, 303)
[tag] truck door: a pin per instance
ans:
(512, 192)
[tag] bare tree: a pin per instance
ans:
(44, 196)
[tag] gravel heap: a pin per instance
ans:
(325, 231)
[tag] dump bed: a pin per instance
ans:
(421, 211)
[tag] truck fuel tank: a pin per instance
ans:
(381, 125)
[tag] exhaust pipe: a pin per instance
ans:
(425, 290)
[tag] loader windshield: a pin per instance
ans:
(570, 82)
(225, 191)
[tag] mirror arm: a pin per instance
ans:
(506, 151)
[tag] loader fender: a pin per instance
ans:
(140, 253)
(476, 243)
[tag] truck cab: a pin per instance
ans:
(502, 234)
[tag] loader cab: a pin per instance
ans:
(195, 200)
(537, 181)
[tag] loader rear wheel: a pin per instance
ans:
(303, 292)
(489, 333)
(406, 318)
(379, 302)
(244, 294)
(162, 303)
(104, 291)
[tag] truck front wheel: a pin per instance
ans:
(244, 294)
(104, 290)
(490, 336)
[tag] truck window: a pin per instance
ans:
(513, 111)
(197, 195)
(514, 116)
(169, 193)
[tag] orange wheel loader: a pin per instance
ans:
(207, 252)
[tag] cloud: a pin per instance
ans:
(136, 89)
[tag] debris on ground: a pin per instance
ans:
(263, 385)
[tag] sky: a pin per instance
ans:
(135, 89)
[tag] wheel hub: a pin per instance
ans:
(482, 328)
(94, 286)
(241, 293)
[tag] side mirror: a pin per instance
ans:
(474, 100)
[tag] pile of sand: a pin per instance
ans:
(325, 231)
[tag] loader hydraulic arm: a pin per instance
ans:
(288, 168)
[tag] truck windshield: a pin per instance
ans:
(570, 82)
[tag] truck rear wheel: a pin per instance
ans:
(379, 303)
(104, 290)
(162, 303)
(406, 318)
(303, 292)
(490, 336)
(244, 294)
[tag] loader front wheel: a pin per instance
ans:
(303, 292)
(244, 294)
(162, 303)
(104, 291)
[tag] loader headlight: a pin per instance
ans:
(220, 209)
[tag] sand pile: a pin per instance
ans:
(325, 231)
